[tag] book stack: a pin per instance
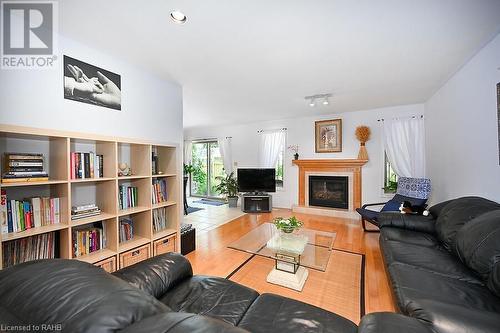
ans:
(29, 248)
(159, 190)
(126, 229)
(89, 239)
(128, 196)
(159, 219)
(86, 165)
(80, 212)
(28, 213)
(23, 167)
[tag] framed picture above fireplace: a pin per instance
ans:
(328, 136)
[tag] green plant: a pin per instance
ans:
(188, 169)
(287, 224)
(227, 185)
(391, 187)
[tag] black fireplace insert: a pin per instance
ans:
(329, 191)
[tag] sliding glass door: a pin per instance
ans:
(208, 165)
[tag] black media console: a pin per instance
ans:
(257, 203)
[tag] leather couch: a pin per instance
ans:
(157, 295)
(444, 269)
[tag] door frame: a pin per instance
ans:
(209, 171)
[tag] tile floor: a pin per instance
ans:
(210, 217)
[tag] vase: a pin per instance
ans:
(287, 230)
(296, 156)
(363, 153)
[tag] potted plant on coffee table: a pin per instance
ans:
(287, 225)
(228, 187)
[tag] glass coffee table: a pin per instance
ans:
(293, 253)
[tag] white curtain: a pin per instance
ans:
(226, 154)
(404, 143)
(271, 143)
(188, 152)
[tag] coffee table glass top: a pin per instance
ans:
(314, 247)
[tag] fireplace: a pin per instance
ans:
(329, 191)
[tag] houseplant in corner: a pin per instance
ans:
(229, 187)
(287, 225)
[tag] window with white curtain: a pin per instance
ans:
(272, 152)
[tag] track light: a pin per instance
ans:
(312, 99)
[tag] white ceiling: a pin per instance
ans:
(241, 61)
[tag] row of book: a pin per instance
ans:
(126, 229)
(159, 187)
(41, 246)
(128, 196)
(30, 213)
(86, 165)
(80, 212)
(159, 219)
(22, 167)
(88, 239)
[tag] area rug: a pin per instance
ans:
(340, 289)
(193, 209)
(210, 202)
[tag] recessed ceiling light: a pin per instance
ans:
(178, 17)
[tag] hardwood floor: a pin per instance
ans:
(212, 257)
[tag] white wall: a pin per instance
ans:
(461, 130)
(245, 141)
(151, 106)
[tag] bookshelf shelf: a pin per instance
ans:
(57, 148)
(164, 175)
(33, 183)
(133, 210)
(33, 231)
(163, 233)
(97, 256)
(91, 180)
(91, 219)
(164, 204)
(133, 243)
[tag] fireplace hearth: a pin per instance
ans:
(329, 191)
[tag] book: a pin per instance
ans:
(29, 248)
(126, 229)
(128, 196)
(159, 219)
(86, 165)
(88, 239)
(32, 213)
(20, 180)
(3, 212)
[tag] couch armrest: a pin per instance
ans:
(387, 322)
(407, 221)
(157, 275)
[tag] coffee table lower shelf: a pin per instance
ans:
(289, 280)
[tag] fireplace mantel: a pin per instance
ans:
(352, 166)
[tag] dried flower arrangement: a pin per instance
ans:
(363, 135)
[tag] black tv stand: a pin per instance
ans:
(256, 202)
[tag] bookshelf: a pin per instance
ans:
(57, 148)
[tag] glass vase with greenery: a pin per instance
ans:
(287, 225)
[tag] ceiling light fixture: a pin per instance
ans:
(178, 17)
(312, 99)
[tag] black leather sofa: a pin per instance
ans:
(157, 295)
(444, 269)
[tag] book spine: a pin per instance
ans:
(91, 165)
(101, 166)
(9, 217)
(3, 212)
(86, 157)
(72, 166)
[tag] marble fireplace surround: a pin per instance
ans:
(330, 167)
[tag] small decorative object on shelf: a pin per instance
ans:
(287, 225)
(363, 135)
(295, 149)
(124, 170)
(229, 187)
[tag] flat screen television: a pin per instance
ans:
(256, 180)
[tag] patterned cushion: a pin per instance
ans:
(419, 188)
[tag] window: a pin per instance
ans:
(390, 177)
(280, 168)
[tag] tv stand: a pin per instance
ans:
(256, 203)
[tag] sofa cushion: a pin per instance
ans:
(79, 296)
(478, 243)
(457, 213)
(211, 296)
(389, 322)
(273, 313)
(436, 209)
(412, 284)
(494, 279)
(433, 259)
(409, 237)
